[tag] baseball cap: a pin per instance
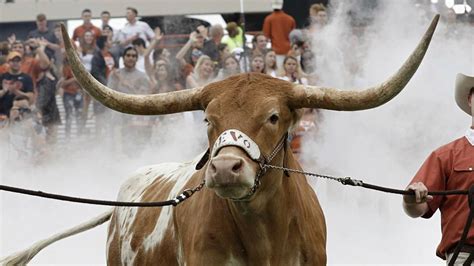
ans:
(12, 55)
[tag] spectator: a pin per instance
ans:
(134, 131)
(277, 27)
(59, 50)
(87, 25)
(4, 50)
(163, 80)
(224, 51)
(14, 83)
(257, 64)
(259, 43)
(102, 65)
(129, 79)
(318, 17)
(30, 64)
(26, 135)
(134, 29)
(44, 33)
(192, 50)
(270, 64)
(105, 18)
(235, 37)
(296, 50)
(72, 98)
(231, 67)
(157, 53)
(3, 123)
(115, 48)
(202, 74)
(140, 47)
(46, 103)
(292, 71)
(308, 60)
(203, 30)
(306, 125)
(210, 47)
(86, 53)
(87, 48)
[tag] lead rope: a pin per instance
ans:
(360, 183)
(186, 194)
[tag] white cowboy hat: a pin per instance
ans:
(277, 4)
(463, 86)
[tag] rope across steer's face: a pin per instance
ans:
(229, 174)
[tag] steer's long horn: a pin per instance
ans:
(155, 104)
(352, 100)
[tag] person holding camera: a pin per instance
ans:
(26, 134)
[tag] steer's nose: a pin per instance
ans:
(225, 170)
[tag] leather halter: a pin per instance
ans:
(236, 138)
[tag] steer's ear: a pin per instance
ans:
(203, 160)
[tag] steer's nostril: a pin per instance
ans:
(237, 166)
(213, 167)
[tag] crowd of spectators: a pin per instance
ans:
(134, 59)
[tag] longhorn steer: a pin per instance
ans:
(233, 222)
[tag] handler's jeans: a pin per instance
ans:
(460, 260)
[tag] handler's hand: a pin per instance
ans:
(421, 194)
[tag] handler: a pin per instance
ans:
(450, 167)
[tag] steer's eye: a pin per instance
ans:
(206, 121)
(274, 119)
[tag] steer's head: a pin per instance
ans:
(248, 115)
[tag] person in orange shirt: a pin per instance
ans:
(277, 27)
(87, 25)
(450, 167)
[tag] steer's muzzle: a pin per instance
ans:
(231, 173)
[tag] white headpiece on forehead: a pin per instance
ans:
(234, 137)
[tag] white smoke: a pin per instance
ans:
(386, 145)
(92, 169)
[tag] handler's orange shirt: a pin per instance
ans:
(450, 167)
